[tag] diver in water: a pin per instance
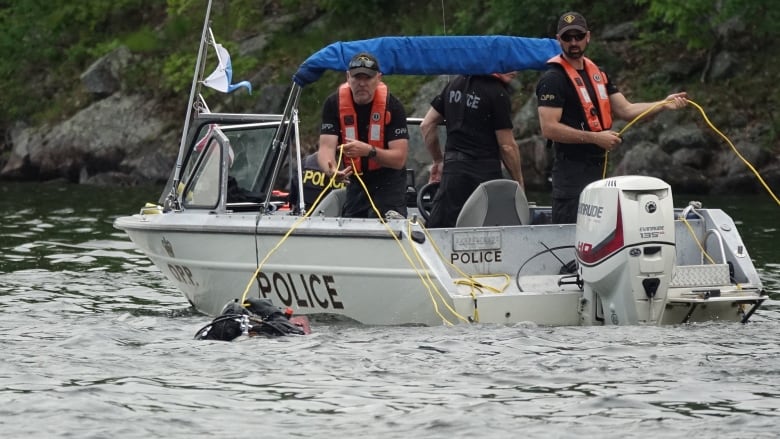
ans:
(255, 317)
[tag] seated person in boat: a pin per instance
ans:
(315, 181)
(477, 112)
(369, 125)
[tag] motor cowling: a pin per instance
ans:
(625, 248)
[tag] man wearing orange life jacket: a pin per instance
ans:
(369, 124)
(577, 103)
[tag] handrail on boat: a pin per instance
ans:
(283, 135)
(691, 208)
(720, 243)
(239, 117)
(172, 201)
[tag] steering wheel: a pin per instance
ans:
(425, 199)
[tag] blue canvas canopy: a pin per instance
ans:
(434, 55)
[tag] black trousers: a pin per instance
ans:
(459, 179)
(569, 178)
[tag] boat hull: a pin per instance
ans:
(402, 274)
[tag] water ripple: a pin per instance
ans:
(96, 343)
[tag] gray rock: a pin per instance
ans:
(102, 78)
(724, 66)
(649, 159)
(253, 45)
(97, 139)
(526, 120)
(536, 159)
(732, 163)
(683, 136)
(419, 106)
(271, 98)
(693, 157)
(622, 31)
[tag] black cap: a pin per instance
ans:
(572, 21)
(364, 63)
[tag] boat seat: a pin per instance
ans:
(499, 202)
(332, 204)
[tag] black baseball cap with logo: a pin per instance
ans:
(572, 21)
(364, 63)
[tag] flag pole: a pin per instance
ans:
(172, 202)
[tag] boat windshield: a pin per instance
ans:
(251, 153)
(203, 183)
(233, 160)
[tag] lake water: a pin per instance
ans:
(97, 344)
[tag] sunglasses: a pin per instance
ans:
(362, 61)
(569, 37)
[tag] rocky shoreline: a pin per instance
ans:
(127, 139)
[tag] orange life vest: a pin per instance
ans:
(376, 129)
(599, 81)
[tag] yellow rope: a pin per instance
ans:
(422, 273)
(470, 280)
(695, 239)
(734, 148)
(289, 232)
(701, 247)
(429, 283)
(420, 270)
(710, 124)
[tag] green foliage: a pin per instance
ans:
(525, 17)
(179, 28)
(697, 21)
(532, 18)
(692, 20)
(144, 40)
(247, 14)
(46, 45)
(185, 7)
(359, 12)
(405, 88)
(177, 72)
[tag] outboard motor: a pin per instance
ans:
(625, 249)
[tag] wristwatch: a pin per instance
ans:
(372, 152)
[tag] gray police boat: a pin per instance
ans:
(222, 231)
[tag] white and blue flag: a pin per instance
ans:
(222, 77)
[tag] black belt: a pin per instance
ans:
(591, 159)
(455, 156)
